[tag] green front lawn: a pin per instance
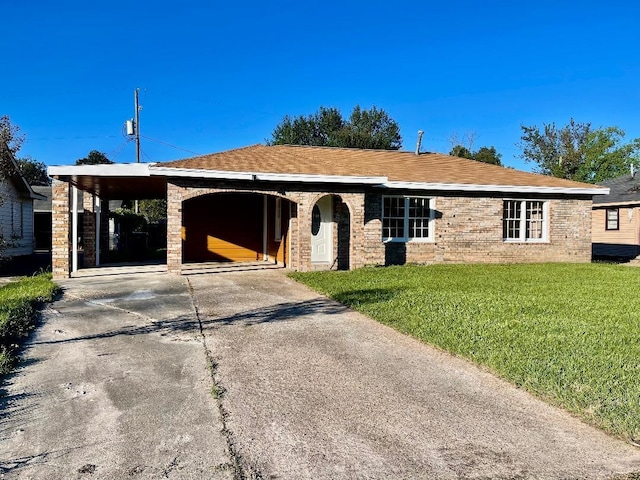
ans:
(568, 333)
(18, 303)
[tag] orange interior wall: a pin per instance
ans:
(223, 227)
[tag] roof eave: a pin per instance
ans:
(103, 170)
(265, 176)
(527, 189)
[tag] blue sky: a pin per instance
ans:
(215, 76)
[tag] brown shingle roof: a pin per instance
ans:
(395, 165)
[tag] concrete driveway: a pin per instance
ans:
(118, 383)
(115, 384)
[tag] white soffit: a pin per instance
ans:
(267, 177)
(103, 170)
(495, 188)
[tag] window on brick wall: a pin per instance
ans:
(407, 219)
(613, 219)
(524, 220)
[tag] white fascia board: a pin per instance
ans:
(103, 170)
(630, 203)
(266, 177)
(495, 188)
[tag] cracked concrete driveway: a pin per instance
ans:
(116, 384)
(314, 390)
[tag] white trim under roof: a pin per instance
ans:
(103, 170)
(495, 188)
(267, 177)
(149, 169)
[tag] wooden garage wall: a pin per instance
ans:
(229, 227)
(222, 227)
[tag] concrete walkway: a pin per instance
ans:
(117, 383)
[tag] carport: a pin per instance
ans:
(212, 216)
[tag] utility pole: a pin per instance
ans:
(137, 130)
(137, 124)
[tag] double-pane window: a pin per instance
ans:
(407, 218)
(524, 220)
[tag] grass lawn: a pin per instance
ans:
(18, 303)
(568, 333)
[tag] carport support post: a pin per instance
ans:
(98, 220)
(89, 230)
(74, 229)
(60, 229)
(174, 228)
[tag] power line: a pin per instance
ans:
(169, 145)
(73, 138)
(114, 155)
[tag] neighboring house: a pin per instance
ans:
(16, 212)
(42, 218)
(319, 208)
(616, 219)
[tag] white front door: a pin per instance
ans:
(321, 230)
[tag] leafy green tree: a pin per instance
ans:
(483, 154)
(10, 142)
(558, 152)
(370, 129)
(364, 129)
(154, 210)
(316, 129)
(94, 158)
(461, 151)
(578, 152)
(488, 155)
(33, 171)
(606, 156)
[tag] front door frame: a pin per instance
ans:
(322, 224)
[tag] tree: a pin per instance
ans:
(10, 142)
(461, 151)
(577, 152)
(606, 156)
(483, 154)
(488, 155)
(154, 210)
(33, 171)
(557, 152)
(94, 158)
(365, 129)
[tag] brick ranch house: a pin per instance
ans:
(320, 208)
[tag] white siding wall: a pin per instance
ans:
(16, 222)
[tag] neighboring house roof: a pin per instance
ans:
(21, 185)
(289, 163)
(624, 190)
(391, 168)
(42, 204)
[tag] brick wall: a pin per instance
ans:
(469, 230)
(60, 241)
(349, 220)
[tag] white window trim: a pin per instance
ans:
(406, 238)
(523, 221)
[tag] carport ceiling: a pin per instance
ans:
(121, 188)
